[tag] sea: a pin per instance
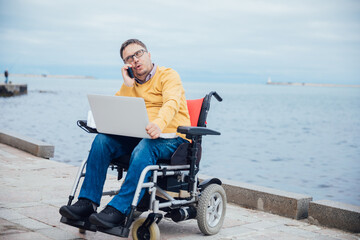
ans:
(299, 139)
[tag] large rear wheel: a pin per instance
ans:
(211, 209)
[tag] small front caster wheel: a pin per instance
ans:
(82, 231)
(211, 209)
(141, 233)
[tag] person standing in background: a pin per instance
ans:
(6, 74)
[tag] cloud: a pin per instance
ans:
(251, 38)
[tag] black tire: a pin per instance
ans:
(211, 209)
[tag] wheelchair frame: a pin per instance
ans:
(172, 205)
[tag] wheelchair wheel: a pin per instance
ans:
(140, 233)
(211, 209)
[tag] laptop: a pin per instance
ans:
(117, 115)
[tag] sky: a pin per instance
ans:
(223, 40)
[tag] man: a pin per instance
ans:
(6, 74)
(165, 102)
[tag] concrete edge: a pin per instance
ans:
(292, 205)
(335, 214)
(286, 204)
(33, 146)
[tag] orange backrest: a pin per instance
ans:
(194, 107)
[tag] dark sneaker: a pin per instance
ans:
(79, 210)
(108, 218)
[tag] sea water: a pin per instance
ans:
(298, 139)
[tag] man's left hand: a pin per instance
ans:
(153, 130)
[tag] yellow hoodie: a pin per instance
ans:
(164, 98)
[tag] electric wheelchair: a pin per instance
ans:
(173, 189)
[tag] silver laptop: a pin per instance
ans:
(126, 116)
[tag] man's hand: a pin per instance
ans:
(127, 80)
(153, 130)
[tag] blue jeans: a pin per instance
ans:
(144, 152)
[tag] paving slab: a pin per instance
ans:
(33, 189)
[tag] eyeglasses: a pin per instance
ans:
(137, 54)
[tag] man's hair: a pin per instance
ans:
(128, 42)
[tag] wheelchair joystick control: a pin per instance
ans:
(183, 213)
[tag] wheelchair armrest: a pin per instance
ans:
(83, 125)
(196, 131)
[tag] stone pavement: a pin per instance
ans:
(33, 189)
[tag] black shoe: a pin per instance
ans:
(80, 210)
(108, 218)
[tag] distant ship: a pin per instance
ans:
(269, 82)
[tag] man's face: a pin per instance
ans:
(141, 66)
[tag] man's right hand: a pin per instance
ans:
(127, 80)
(153, 130)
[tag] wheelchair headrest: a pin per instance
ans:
(194, 107)
(199, 108)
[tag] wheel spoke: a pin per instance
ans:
(211, 217)
(208, 214)
(212, 202)
(217, 202)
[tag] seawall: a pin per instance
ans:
(49, 76)
(287, 204)
(9, 90)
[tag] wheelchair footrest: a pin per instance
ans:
(86, 225)
(119, 231)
